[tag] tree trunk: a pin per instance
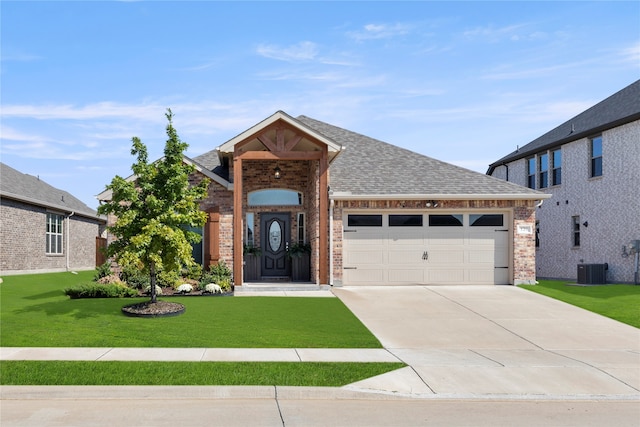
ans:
(152, 273)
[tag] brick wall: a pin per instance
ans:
(22, 240)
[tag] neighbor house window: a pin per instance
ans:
(301, 228)
(54, 234)
(596, 156)
(575, 220)
(543, 173)
(556, 163)
(531, 172)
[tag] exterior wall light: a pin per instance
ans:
(277, 173)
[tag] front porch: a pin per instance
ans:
(279, 174)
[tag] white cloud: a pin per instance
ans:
(380, 31)
(300, 52)
(631, 54)
(515, 32)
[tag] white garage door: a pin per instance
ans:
(425, 248)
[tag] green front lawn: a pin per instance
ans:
(34, 312)
(309, 374)
(619, 302)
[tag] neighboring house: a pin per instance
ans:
(591, 167)
(44, 229)
(372, 213)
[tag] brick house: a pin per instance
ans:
(590, 167)
(44, 229)
(371, 212)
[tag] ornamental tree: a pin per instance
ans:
(155, 210)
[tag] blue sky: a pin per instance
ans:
(464, 82)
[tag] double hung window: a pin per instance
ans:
(54, 241)
(596, 156)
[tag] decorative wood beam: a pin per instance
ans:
(279, 139)
(323, 219)
(268, 155)
(267, 142)
(237, 221)
(292, 143)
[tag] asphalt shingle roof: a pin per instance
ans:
(368, 166)
(31, 189)
(620, 108)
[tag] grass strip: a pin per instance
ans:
(618, 302)
(34, 312)
(312, 374)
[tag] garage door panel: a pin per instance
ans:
(451, 256)
(403, 256)
(481, 256)
(365, 257)
(429, 254)
(445, 276)
(364, 276)
(406, 275)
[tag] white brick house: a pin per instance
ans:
(44, 229)
(591, 167)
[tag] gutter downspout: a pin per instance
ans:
(331, 206)
(68, 245)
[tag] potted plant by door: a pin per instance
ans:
(300, 255)
(251, 257)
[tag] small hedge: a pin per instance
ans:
(96, 290)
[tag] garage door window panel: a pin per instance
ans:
(445, 220)
(405, 220)
(364, 220)
(486, 220)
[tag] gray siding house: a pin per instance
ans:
(590, 165)
(44, 229)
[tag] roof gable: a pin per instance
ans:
(255, 132)
(30, 189)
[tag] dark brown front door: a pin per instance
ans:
(275, 230)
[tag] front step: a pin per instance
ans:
(280, 287)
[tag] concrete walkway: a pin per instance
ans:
(463, 344)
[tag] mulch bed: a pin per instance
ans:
(153, 309)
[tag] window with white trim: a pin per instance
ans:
(531, 172)
(596, 156)
(543, 173)
(54, 240)
(556, 165)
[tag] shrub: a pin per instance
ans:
(112, 278)
(147, 290)
(96, 290)
(168, 279)
(135, 278)
(103, 271)
(194, 272)
(219, 274)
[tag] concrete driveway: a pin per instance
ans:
(465, 341)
